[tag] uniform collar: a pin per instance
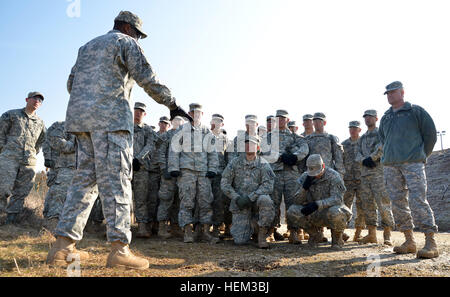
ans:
(406, 106)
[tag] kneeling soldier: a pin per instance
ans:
(319, 203)
(248, 181)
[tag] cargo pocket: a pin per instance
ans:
(119, 165)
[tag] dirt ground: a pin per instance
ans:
(23, 252)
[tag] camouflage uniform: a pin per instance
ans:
(254, 179)
(100, 115)
(328, 193)
(408, 136)
(374, 193)
(64, 145)
(154, 181)
(284, 186)
(221, 203)
(194, 157)
(144, 139)
(352, 180)
(21, 138)
(327, 146)
(168, 192)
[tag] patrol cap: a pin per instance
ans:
(370, 112)
(251, 138)
(292, 124)
(132, 19)
(195, 106)
(140, 105)
(307, 117)
(282, 113)
(35, 94)
(153, 127)
(270, 118)
(393, 86)
(164, 119)
(354, 124)
(319, 116)
(315, 165)
(251, 118)
(217, 116)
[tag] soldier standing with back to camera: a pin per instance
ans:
(100, 116)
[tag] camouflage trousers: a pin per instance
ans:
(153, 197)
(169, 204)
(335, 217)
(285, 186)
(374, 196)
(407, 188)
(16, 184)
(56, 195)
(261, 213)
(140, 184)
(195, 192)
(103, 169)
(221, 203)
(354, 190)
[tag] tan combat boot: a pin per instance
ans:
(142, 231)
(163, 230)
(207, 235)
(301, 234)
(336, 239)
(409, 246)
(270, 237)
(63, 252)
(121, 256)
(315, 237)
(357, 237)
(188, 233)
(371, 237)
(430, 249)
(277, 235)
(322, 236)
(293, 236)
(387, 236)
(262, 238)
(305, 235)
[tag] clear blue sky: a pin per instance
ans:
(241, 57)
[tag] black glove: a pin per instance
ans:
(136, 165)
(368, 162)
(288, 159)
(167, 175)
(175, 173)
(309, 208)
(180, 112)
(308, 182)
(243, 202)
(210, 174)
(49, 163)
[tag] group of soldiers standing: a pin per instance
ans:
(193, 181)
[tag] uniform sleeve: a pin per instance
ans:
(57, 140)
(427, 130)
(338, 153)
(300, 196)
(381, 131)
(227, 181)
(72, 74)
(41, 139)
(163, 150)
(301, 148)
(141, 71)
(267, 183)
(359, 156)
(336, 194)
(213, 158)
(151, 142)
(173, 161)
(5, 125)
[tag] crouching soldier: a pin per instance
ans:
(248, 181)
(319, 203)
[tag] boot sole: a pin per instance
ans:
(125, 267)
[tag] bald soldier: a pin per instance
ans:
(319, 203)
(100, 116)
(22, 134)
